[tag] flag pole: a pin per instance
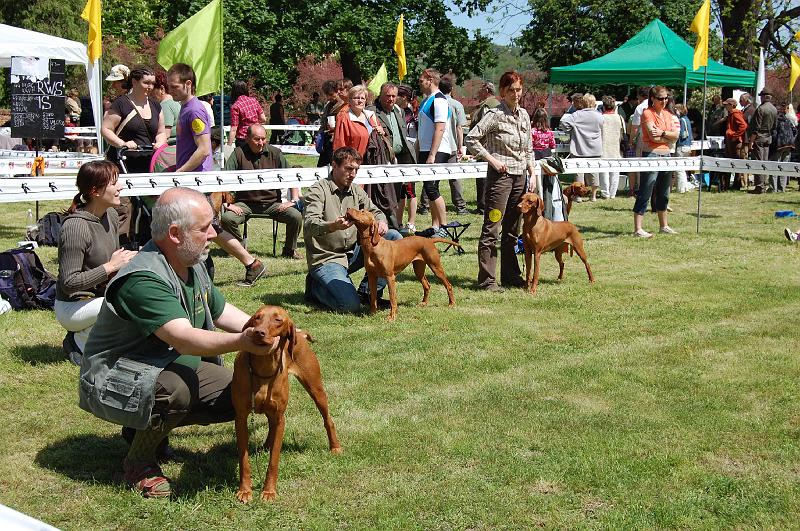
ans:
(221, 88)
(702, 144)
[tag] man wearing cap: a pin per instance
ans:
(760, 136)
(118, 76)
(735, 138)
(487, 101)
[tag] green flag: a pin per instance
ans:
(198, 43)
(380, 78)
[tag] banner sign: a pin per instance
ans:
(37, 97)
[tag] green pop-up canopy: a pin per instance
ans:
(655, 55)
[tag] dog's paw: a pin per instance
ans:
(244, 496)
(338, 450)
(268, 495)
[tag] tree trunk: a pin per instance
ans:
(349, 67)
(738, 20)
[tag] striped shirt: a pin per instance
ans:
(244, 113)
(506, 135)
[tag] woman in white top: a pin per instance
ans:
(612, 133)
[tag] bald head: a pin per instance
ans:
(177, 206)
(256, 138)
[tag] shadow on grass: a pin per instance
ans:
(702, 216)
(11, 232)
(36, 354)
(217, 466)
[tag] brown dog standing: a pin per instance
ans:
(261, 384)
(573, 190)
(540, 235)
(384, 258)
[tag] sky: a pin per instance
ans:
(501, 27)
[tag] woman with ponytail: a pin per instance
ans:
(88, 253)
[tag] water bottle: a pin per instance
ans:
(31, 229)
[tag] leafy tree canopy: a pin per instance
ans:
(265, 39)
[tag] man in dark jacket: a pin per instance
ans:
(759, 132)
(256, 154)
(392, 119)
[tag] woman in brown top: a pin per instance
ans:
(88, 253)
(502, 138)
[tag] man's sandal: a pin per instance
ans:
(148, 480)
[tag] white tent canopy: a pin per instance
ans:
(19, 42)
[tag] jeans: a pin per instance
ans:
(661, 180)
(331, 284)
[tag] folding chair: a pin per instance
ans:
(455, 229)
(274, 231)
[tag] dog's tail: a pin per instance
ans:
(444, 240)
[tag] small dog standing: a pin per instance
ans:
(540, 235)
(384, 258)
(261, 385)
(573, 190)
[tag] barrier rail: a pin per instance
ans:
(45, 188)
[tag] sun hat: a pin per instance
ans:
(118, 73)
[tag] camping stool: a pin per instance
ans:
(274, 231)
(455, 229)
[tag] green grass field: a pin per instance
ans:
(666, 395)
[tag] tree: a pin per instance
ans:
(564, 32)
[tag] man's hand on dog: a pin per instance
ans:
(340, 223)
(254, 343)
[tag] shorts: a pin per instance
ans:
(431, 188)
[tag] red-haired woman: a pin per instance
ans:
(502, 138)
(88, 253)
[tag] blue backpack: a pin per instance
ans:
(24, 282)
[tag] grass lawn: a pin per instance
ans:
(665, 395)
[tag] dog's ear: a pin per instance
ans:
(253, 321)
(539, 207)
(291, 339)
(374, 234)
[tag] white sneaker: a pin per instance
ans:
(667, 230)
(791, 236)
(641, 233)
(411, 227)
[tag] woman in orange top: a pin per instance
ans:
(354, 123)
(659, 133)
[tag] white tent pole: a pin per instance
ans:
(96, 96)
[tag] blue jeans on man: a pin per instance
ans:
(331, 285)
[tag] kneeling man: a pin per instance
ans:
(151, 360)
(332, 241)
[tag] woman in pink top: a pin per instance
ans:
(245, 111)
(659, 133)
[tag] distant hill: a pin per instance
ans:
(509, 58)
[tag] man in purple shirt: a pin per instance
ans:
(193, 152)
(194, 136)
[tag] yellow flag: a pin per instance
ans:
(795, 71)
(377, 82)
(400, 50)
(700, 27)
(91, 14)
(797, 35)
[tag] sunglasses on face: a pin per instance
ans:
(665, 98)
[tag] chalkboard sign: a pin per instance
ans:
(37, 97)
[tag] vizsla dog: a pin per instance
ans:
(541, 235)
(572, 191)
(385, 258)
(217, 198)
(261, 385)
